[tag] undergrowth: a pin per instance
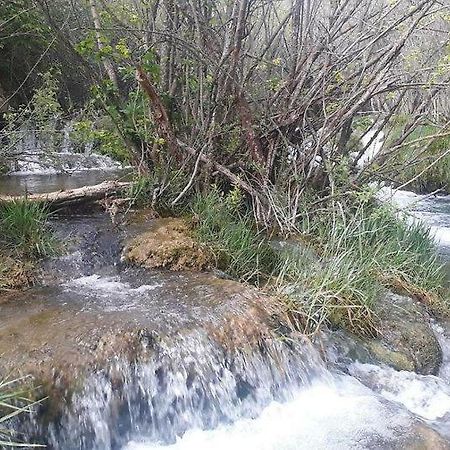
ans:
(336, 269)
(228, 229)
(363, 249)
(158, 190)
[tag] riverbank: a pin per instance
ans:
(98, 318)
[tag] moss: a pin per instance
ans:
(15, 273)
(169, 243)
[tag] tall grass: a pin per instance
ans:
(229, 231)
(25, 230)
(362, 250)
(349, 255)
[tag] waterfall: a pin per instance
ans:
(180, 383)
(39, 153)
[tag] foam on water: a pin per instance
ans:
(335, 416)
(105, 286)
(425, 396)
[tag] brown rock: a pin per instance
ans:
(169, 244)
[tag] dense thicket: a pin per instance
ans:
(274, 96)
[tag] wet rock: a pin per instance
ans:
(54, 332)
(425, 438)
(169, 244)
(406, 340)
(93, 325)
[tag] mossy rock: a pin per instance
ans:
(15, 274)
(167, 244)
(405, 342)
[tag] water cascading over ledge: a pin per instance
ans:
(34, 152)
(179, 383)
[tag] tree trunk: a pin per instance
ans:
(83, 194)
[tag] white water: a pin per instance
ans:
(44, 155)
(377, 138)
(434, 211)
(336, 416)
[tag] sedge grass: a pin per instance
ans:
(25, 230)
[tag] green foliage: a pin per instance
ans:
(158, 189)
(24, 229)
(42, 113)
(45, 104)
(240, 250)
(141, 190)
(412, 160)
(343, 261)
(102, 134)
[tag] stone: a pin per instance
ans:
(405, 339)
(168, 243)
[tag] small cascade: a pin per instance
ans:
(44, 153)
(189, 381)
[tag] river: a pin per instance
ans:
(192, 394)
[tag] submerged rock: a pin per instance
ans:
(168, 243)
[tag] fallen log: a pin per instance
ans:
(73, 196)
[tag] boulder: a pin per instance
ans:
(168, 243)
(405, 341)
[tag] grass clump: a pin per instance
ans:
(222, 223)
(25, 236)
(337, 268)
(158, 190)
(24, 229)
(141, 190)
(362, 249)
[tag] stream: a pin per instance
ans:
(178, 388)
